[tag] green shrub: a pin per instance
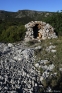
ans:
(13, 34)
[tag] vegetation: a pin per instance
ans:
(12, 29)
(54, 81)
(56, 21)
(11, 23)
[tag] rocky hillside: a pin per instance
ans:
(29, 67)
(24, 13)
(32, 67)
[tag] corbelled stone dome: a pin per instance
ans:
(39, 30)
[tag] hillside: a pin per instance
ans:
(24, 13)
(12, 23)
(34, 66)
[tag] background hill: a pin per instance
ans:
(12, 23)
(23, 14)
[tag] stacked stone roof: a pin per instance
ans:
(45, 29)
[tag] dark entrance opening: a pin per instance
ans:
(35, 31)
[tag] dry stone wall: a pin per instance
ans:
(39, 30)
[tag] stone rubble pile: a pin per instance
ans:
(45, 31)
(18, 73)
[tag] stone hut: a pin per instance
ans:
(38, 30)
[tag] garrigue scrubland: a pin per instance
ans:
(35, 66)
(12, 23)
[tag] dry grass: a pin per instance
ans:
(54, 58)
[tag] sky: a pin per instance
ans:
(38, 5)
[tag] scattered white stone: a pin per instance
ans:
(39, 40)
(19, 59)
(1, 77)
(38, 47)
(51, 67)
(55, 73)
(16, 58)
(41, 78)
(54, 56)
(25, 54)
(10, 45)
(5, 49)
(35, 84)
(53, 51)
(36, 65)
(6, 87)
(50, 43)
(44, 62)
(52, 46)
(45, 67)
(49, 89)
(60, 69)
(49, 48)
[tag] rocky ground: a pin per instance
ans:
(19, 71)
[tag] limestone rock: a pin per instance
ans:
(53, 51)
(36, 65)
(60, 69)
(51, 48)
(38, 47)
(10, 45)
(19, 71)
(44, 62)
(41, 78)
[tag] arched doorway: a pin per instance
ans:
(35, 31)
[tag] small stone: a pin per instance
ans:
(16, 58)
(44, 62)
(10, 45)
(53, 51)
(36, 65)
(60, 69)
(41, 78)
(51, 67)
(38, 47)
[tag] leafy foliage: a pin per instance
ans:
(12, 33)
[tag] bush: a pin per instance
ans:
(13, 34)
